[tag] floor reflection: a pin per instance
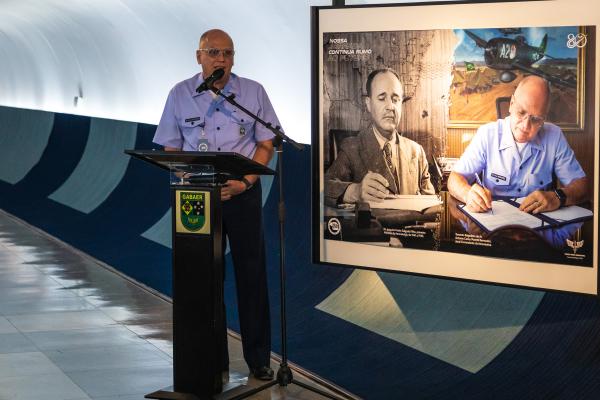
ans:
(67, 319)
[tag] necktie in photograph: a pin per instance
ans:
(387, 152)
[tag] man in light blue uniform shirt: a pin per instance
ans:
(200, 118)
(518, 156)
(204, 122)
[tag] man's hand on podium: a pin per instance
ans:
(232, 188)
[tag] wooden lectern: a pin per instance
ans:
(199, 329)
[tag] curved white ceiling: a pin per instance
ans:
(122, 57)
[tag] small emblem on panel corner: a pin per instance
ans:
(575, 245)
(579, 40)
(333, 226)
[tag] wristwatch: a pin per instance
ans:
(247, 183)
(561, 196)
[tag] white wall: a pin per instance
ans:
(124, 56)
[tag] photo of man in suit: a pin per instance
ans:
(378, 162)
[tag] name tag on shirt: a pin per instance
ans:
(192, 121)
(503, 178)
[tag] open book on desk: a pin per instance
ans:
(506, 212)
(414, 202)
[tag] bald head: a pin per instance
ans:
(214, 34)
(216, 51)
(535, 87)
(529, 107)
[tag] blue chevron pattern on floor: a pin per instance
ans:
(554, 355)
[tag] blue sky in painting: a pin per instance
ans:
(467, 50)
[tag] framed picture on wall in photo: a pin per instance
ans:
(488, 63)
(455, 140)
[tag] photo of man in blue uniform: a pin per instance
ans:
(518, 157)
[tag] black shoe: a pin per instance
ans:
(263, 373)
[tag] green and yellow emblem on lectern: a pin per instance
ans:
(193, 212)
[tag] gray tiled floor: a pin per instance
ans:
(112, 357)
(115, 335)
(71, 329)
(58, 321)
(6, 326)
(26, 364)
(15, 343)
(55, 386)
(122, 381)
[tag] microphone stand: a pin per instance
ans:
(284, 373)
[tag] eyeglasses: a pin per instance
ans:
(521, 115)
(533, 119)
(214, 53)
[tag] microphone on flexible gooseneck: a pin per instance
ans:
(208, 82)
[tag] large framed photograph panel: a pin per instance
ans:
(451, 70)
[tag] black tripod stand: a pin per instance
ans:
(284, 375)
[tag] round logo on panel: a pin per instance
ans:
(333, 226)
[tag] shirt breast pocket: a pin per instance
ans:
(498, 177)
(539, 181)
(498, 181)
(187, 124)
(241, 124)
(191, 128)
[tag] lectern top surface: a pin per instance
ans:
(221, 162)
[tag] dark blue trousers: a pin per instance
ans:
(243, 226)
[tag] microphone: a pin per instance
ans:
(208, 82)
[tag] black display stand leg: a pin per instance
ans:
(284, 373)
